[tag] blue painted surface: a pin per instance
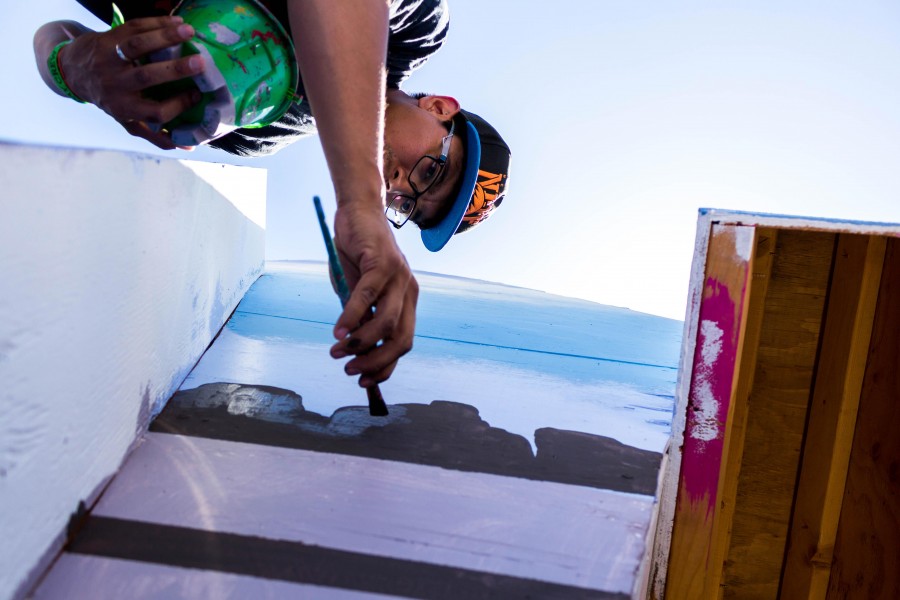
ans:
(523, 359)
(468, 319)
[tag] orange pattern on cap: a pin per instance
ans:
(488, 192)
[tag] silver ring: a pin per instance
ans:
(121, 54)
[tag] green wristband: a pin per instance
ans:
(57, 74)
(117, 19)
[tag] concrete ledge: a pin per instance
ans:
(117, 270)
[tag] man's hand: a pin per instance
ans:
(96, 73)
(341, 48)
(380, 278)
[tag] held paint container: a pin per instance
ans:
(251, 71)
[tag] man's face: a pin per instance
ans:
(412, 130)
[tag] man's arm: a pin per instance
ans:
(95, 73)
(341, 48)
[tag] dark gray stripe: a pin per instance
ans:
(451, 435)
(302, 563)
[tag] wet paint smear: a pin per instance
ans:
(446, 434)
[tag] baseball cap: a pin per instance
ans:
(483, 181)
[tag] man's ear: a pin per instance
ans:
(443, 107)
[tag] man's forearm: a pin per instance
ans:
(341, 48)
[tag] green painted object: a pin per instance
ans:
(251, 71)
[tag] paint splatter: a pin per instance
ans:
(238, 63)
(223, 34)
(268, 35)
(706, 406)
(712, 342)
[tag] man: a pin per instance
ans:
(389, 154)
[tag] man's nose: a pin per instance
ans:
(398, 181)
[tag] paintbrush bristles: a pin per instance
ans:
(377, 407)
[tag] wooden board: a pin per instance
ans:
(867, 550)
(720, 325)
(765, 508)
(736, 427)
(777, 412)
(832, 415)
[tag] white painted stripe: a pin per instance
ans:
(76, 576)
(559, 533)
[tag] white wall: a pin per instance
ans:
(116, 271)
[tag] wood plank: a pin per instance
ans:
(474, 521)
(83, 576)
(832, 417)
(658, 557)
(722, 315)
(735, 428)
(867, 549)
(777, 412)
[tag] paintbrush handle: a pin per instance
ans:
(377, 407)
(334, 263)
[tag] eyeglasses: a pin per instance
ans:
(424, 174)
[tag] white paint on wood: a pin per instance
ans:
(117, 271)
(94, 577)
(732, 217)
(707, 407)
(548, 531)
(743, 242)
(655, 563)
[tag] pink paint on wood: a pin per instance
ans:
(710, 393)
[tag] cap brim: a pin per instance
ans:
(437, 237)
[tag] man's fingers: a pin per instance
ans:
(146, 76)
(372, 378)
(358, 330)
(153, 112)
(149, 23)
(159, 139)
(377, 365)
(174, 106)
(136, 43)
(363, 297)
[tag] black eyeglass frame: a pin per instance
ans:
(399, 199)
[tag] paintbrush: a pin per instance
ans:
(377, 407)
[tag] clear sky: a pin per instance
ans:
(624, 118)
